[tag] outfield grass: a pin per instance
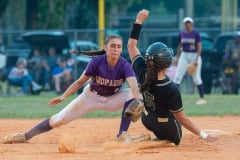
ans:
(37, 106)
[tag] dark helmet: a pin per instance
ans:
(159, 56)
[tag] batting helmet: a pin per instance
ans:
(159, 56)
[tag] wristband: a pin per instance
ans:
(136, 28)
(203, 135)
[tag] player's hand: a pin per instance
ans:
(211, 138)
(141, 16)
(55, 101)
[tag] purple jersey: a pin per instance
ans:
(108, 80)
(189, 40)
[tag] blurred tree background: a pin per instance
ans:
(21, 15)
(80, 14)
(56, 14)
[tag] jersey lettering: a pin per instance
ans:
(149, 100)
(188, 40)
(107, 82)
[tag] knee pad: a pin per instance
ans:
(56, 121)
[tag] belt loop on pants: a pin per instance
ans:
(160, 119)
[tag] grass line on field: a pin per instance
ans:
(37, 106)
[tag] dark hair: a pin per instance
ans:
(112, 37)
(151, 75)
(97, 52)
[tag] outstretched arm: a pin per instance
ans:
(132, 42)
(132, 82)
(185, 121)
(71, 89)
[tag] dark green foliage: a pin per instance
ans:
(83, 14)
(3, 6)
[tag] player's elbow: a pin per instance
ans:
(131, 44)
(180, 116)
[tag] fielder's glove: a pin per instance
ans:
(191, 68)
(134, 110)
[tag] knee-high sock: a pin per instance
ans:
(43, 126)
(125, 122)
(201, 90)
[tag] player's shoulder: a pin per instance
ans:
(172, 87)
(181, 31)
(138, 59)
(98, 59)
(123, 62)
(196, 31)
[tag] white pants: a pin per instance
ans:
(89, 101)
(184, 60)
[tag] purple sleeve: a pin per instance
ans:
(198, 38)
(128, 70)
(179, 37)
(89, 71)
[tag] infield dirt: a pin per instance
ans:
(91, 136)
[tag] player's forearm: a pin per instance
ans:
(133, 39)
(75, 86)
(185, 121)
(72, 89)
(179, 50)
(132, 81)
(132, 48)
(189, 125)
(199, 50)
(135, 33)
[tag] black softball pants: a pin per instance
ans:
(170, 130)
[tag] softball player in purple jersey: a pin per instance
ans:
(189, 50)
(106, 73)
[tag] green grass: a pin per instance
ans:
(217, 105)
(37, 106)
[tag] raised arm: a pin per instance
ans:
(135, 32)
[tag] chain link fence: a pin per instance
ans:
(147, 37)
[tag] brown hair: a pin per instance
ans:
(112, 37)
(97, 52)
(151, 75)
